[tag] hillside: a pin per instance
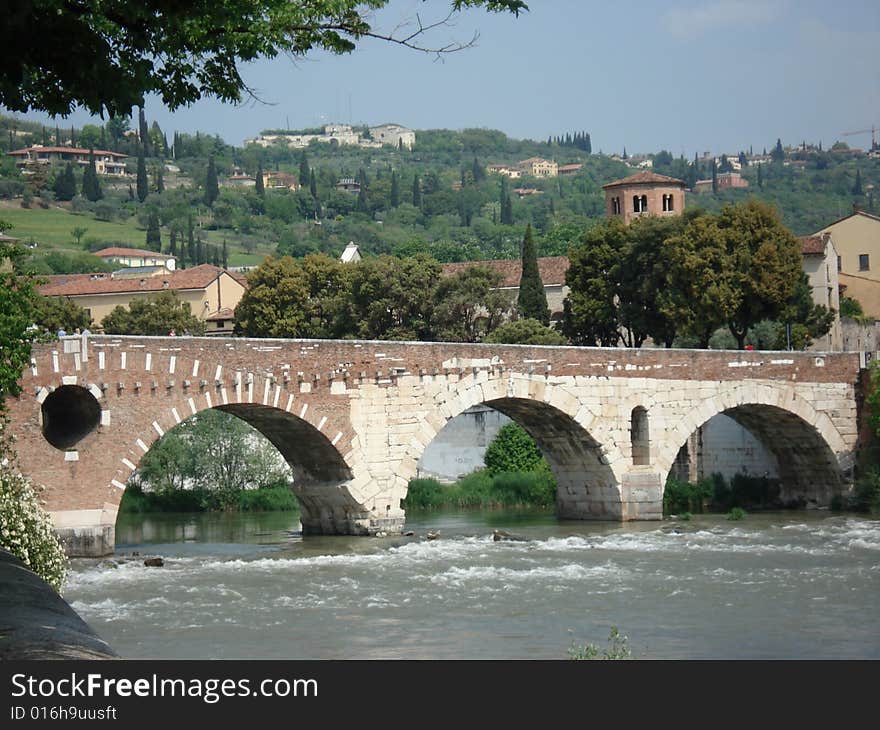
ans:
(461, 211)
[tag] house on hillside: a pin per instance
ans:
(106, 162)
(644, 193)
(348, 185)
(539, 167)
(136, 257)
(209, 290)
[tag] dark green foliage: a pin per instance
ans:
(17, 301)
(716, 494)
(857, 185)
(277, 498)
(154, 234)
(535, 489)
(65, 184)
(143, 188)
(513, 450)
(260, 186)
(525, 332)
(160, 178)
(155, 316)
(532, 300)
(54, 313)
(395, 190)
(212, 187)
(416, 192)
(778, 154)
(304, 171)
(91, 187)
(144, 134)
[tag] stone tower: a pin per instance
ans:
(645, 193)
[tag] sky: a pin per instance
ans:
(689, 76)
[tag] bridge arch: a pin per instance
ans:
(588, 485)
(814, 462)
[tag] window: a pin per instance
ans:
(615, 206)
(667, 203)
(864, 264)
(637, 204)
(639, 435)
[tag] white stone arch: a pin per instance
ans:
(585, 467)
(819, 455)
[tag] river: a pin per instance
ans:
(792, 585)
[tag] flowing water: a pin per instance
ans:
(780, 585)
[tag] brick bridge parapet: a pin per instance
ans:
(353, 417)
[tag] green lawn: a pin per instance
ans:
(51, 228)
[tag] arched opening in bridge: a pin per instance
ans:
(766, 458)
(70, 413)
(585, 485)
(245, 458)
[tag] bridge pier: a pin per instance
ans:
(328, 509)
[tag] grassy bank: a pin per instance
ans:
(277, 498)
(508, 489)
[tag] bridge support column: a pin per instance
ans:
(86, 533)
(641, 492)
(328, 509)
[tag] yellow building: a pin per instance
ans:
(211, 292)
(857, 240)
(539, 167)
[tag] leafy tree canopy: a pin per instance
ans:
(116, 51)
(525, 332)
(155, 316)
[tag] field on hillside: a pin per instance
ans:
(51, 230)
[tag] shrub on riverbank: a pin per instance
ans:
(480, 489)
(866, 492)
(716, 494)
(26, 529)
(272, 498)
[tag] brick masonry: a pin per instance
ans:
(353, 418)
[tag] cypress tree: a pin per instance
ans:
(144, 133)
(313, 185)
(172, 243)
(57, 136)
(857, 187)
(260, 187)
(200, 251)
(778, 154)
(714, 177)
(506, 206)
(225, 254)
(760, 177)
(143, 189)
(212, 188)
(303, 167)
(588, 146)
(72, 136)
(532, 300)
(91, 185)
(160, 179)
(191, 242)
(65, 184)
(154, 234)
(395, 190)
(361, 205)
(416, 192)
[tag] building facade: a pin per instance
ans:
(136, 257)
(106, 162)
(820, 266)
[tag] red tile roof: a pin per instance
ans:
(68, 285)
(551, 268)
(116, 251)
(646, 177)
(220, 315)
(813, 245)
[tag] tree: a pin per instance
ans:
(65, 184)
(303, 168)
(18, 299)
(172, 242)
(525, 332)
(469, 304)
(224, 256)
(416, 192)
(395, 190)
(154, 233)
(143, 189)
(513, 450)
(274, 304)
(760, 177)
(91, 187)
(260, 186)
(714, 177)
(191, 253)
(54, 313)
(160, 178)
(857, 186)
(212, 188)
(505, 205)
(155, 316)
(532, 300)
(778, 154)
(144, 133)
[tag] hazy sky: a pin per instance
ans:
(684, 75)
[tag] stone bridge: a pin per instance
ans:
(353, 418)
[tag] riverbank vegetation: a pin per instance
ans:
(717, 494)
(211, 461)
(516, 475)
